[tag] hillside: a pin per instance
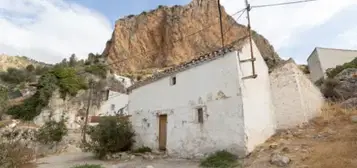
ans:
(167, 36)
(16, 62)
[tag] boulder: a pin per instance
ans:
(279, 160)
(354, 119)
(347, 86)
(350, 103)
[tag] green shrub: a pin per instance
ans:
(220, 159)
(98, 70)
(3, 99)
(332, 72)
(142, 149)
(52, 132)
(16, 76)
(88, 166)
(328, 89)
(111, 135)
(14, 154)
(64, 78)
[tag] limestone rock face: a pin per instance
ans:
(168, 36)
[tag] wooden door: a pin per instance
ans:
(162, 132)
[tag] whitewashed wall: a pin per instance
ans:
(259, 117)
(214, 86)
(116, 100)
(295, 98)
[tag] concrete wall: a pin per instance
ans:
(314, 65)
(325, 58)
(295, 98)
(116, 100)
(215, 87)
(259, 118)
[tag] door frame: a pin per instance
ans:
(162, 131)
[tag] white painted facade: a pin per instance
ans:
(127, 82)
(296, 98)
(238, 113)
(115, 102)
(322, 59)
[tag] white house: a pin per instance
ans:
(322, 59)
(213, 102)
(115, 103)
(116, 98)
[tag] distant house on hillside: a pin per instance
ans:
(210, 103)
(322, 59)
(116, 98)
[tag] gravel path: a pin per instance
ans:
(71, 159)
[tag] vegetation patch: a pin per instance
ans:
(88, 166)
(111, 135)
(65, 79)
(14, 154)
(142, 149)
(220, 159)
(332, 72)
(52, 132)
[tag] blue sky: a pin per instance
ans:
(50, 30)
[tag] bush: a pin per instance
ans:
(220, 159)
(328, 89)
(16, 76)
(332, 72)
(111, 135)
(52, 132)
(143, 149)
(98, 70)
(88, 166)
(14, 154)
(64, 78)
(3, 99)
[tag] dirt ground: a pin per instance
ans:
(69, 160)
(329, 141)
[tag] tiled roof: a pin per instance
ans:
(236, 45)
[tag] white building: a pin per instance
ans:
(322, 59)
(115, 103)
(210, 103)
(296, 99)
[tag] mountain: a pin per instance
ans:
(16, 62)
(168, 36)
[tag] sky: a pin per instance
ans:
(50, 30)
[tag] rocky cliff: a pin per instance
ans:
(167, 36)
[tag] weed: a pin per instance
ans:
(220, 159)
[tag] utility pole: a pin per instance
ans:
(220, 21)
(87, 112)
(248, 7)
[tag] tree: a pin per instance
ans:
(30, 68)
(73, 60)
(3, 98)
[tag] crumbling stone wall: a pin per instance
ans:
(296, 99)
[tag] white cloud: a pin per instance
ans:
(51, 30)
(282, 24)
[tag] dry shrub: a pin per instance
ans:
(14, 154)
(332, 111)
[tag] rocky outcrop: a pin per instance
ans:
(168, 36)
(16, 62)
(347, 86)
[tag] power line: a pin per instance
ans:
(220, 20)
(181, 39)
(280, 4)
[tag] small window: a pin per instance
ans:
(112, 107)
(200, 115)
(173, 80)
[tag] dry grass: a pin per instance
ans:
(328, 141)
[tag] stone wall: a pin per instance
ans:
(295, 98)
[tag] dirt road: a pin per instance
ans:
(71, 159)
